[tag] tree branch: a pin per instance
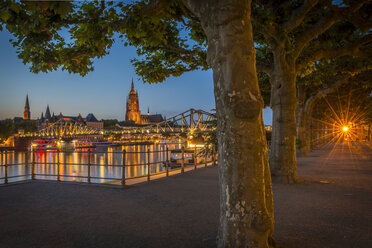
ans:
(154, 7)
(268, 31)
(335, 14)
(263, 68)
(320, 27)
(299, 14)
(88, 18)
(352, 49)
(311, 100)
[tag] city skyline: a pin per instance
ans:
(102, 92)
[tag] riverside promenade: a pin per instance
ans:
(332, 208)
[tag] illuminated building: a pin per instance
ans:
(133, 112)
(48, 119)
(26, 113)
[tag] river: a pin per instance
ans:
(105, 162)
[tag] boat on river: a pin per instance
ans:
(101, 144)
(44, 145)
(175, 158)
(82, 144)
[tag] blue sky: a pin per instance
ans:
(102, 92)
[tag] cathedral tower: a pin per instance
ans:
(27, 113)
(133, 113)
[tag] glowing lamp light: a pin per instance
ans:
(345, 128)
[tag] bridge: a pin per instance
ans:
(190, 121)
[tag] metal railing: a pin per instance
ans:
(30, 165)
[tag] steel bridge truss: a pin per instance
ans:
(65, 128)
(190, 121)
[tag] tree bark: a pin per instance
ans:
(283, 163)
(302, 132)
(309, 129)
(246, 203)
(301, 121)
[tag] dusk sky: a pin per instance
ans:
(102, 92)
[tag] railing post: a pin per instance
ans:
(148, 164)
(6, 167)
(167, 162)
(106, 156)
(123, 169)
(26, 163)
(89, 166)
(214, 156)
(33, 166)
(205, 158)
(183, 160)
(195, 164)
(58, 175)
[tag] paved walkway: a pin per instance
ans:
(332, 209)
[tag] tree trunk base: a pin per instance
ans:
(287, 179)
(272, 243)
(303, 152)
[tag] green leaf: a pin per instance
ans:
(15, 7)
(63, 9)
(5, 15)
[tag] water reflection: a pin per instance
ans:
(73, 166)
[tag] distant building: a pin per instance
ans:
(268, 128)
(91, 121)
(17, 119)
(48, 119)
(27, 113)
(133, 112)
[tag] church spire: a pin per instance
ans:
(27, 105)
(47, 113)
(27, 113)
(133, 113)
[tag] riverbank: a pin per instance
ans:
(331, 209)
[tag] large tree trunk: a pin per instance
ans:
(283, 163)
(246, 203)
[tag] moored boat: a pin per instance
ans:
(44, 144)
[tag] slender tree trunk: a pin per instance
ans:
(301, 121)
(246, 203)
(315, 130)
(283, 163)
(313, 137)
(302, 132)
(308, 131)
